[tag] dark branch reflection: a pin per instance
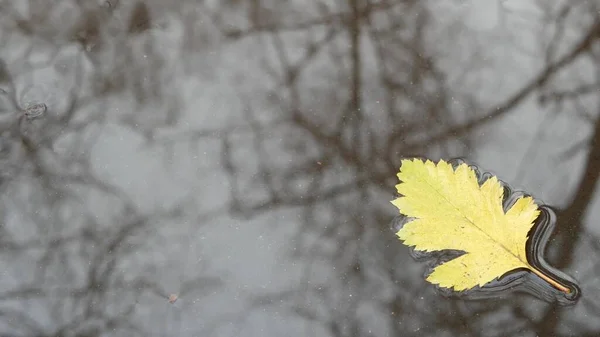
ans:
(225, 168)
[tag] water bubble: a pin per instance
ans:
(173, 298)
(34, 111)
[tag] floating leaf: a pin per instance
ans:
(452, 209)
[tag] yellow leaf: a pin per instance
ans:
(451, 211)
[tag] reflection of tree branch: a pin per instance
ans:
(570, 221)
(593, 33)
(537, 141)
(71, 260)
(356, 85)
(20, 320)
(418, 115)
(331, 19)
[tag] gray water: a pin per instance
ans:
(225, 168)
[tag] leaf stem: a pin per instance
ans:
(549, 280)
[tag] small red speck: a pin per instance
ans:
(172, 298)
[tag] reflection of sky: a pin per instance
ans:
(249, 255)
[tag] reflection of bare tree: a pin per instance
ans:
(73, 246)
(367, 89)
(353, 86)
